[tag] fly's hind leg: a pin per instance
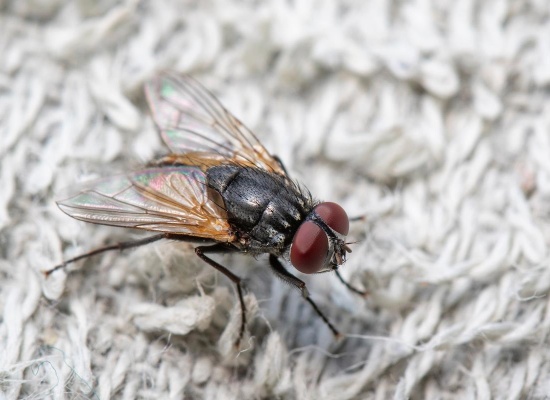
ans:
(201, 251)
(117, 246)
(282, 273)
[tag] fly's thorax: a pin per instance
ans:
(265, 207)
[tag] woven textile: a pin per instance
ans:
(430, 119)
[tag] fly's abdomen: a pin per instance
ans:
(263, 205)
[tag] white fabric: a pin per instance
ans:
(432, 119)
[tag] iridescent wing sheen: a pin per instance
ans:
(192, 120)
(169, 199)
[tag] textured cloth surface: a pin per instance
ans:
(431, 119)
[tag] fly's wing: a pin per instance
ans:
(172, 200)
(192, 120)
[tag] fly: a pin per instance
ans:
(218, 187)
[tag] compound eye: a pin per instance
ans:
(334, 216)
(310, 244)
(309, 248)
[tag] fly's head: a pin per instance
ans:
(319, 244)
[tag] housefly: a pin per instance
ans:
(220, 188)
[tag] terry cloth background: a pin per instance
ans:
(432, 119)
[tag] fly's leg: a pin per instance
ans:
(201, 251)
(117, 246)
(282, 273)
(346, 284)
(350, 287)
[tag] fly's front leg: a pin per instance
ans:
(340, 278)
(350, 287)
(201, 251)
(282, 273)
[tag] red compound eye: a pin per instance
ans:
(334, 216)
(310, 244)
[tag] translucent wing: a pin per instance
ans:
(192, 120)
(172, 200)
